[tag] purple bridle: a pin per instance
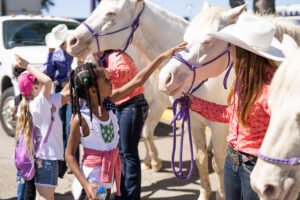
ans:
(134, 25)
(288, 161)
(183, 113)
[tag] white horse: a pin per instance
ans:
(276, 174)
(208, 55)
(158, 31)
(202, 48)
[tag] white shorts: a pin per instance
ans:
(93, 175)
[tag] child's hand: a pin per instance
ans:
(174, 50)
(90, 191)
(51, 50)
(66, 90)
(65, 94)
(21, 62)
(189, 96)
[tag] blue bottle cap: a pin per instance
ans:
(101, 190)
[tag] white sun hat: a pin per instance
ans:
(254, 34)
(57, 36)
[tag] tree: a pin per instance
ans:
(46, 4)
(259, 6)
(235, 3)
(265, 7)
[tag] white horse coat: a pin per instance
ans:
(158, 31)
(202, 48)
(269, 179)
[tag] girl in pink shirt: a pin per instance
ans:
(96, 126)
(247, 111)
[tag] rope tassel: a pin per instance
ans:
(183, 114)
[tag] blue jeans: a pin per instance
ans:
(237, 180)
(131, 116)
(21, 187)
(25, 189)
(65, 113)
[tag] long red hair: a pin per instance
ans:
(250, 76)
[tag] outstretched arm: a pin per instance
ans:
(209, 110)
(40, 76)
(145, 73)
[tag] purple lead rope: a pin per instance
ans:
(183, 113)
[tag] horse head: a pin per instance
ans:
(276, 174)
(107, 19)
(201, 51)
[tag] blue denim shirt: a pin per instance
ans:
(59, 65)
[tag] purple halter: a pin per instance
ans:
(183, 113)
(134, 25)
(288, 161)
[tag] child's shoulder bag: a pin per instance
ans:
(24, 159)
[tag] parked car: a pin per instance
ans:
(23, 35)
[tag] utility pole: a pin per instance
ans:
(92, 5)
(235, 3)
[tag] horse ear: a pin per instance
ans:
(231, 16)
(289, 45)
(137, 1)
(298, 117)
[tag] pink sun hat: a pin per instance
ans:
(25, 83)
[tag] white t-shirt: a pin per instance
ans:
(40, 109)
(103, 135)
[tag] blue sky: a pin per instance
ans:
(81, 8)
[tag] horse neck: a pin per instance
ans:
(158, 31)
(285, 27)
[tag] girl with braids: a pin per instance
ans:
(96, 126)
(253, 55)
(36, 110)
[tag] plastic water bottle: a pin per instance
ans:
(101, 193)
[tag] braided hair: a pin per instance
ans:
(81, 80)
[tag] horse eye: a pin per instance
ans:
(111, 14)
(206, 42)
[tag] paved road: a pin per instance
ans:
(162, 185)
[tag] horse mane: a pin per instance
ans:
(166, 14)
(285, 84)
(205, 16)
(139, 56)
(284, 26)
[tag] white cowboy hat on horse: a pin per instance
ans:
(253, 34)
(57, 36)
